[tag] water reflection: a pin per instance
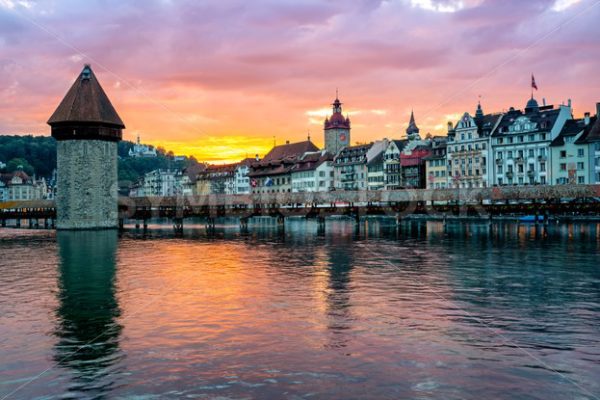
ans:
(87, 327)
(341, 261)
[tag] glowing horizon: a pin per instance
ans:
(224, 81)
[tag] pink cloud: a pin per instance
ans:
(187, 69)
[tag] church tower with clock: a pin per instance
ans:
(336, 129)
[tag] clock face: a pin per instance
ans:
(342, 137)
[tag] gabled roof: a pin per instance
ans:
(86, 101)
(311, 161)
(572, 127)
(593, 135)
(289, 150)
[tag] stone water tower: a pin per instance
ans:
(87, 129)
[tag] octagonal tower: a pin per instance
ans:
(87, 128)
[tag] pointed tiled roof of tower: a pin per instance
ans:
(412, 125)
(86, 101)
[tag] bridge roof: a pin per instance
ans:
(86, 102)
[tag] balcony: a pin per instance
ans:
(542, 158)
(509, 174)
(530, 173)
(519, 160)
(499, 161)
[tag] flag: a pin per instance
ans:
(253, 183)
(533, 85)
(268, 182)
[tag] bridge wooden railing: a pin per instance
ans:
(583, 198)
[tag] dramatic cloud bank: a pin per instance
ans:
(221, 79)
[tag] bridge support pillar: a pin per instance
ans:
(137, 224)
(3, 223)
(31, 225)
(145, 225)
(210, 223)
(244, 222)
(398, 219)
(18, 223)
(280, 220)
(46, 223)
(178, 225)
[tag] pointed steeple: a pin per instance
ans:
(412, 132)
(479, 111)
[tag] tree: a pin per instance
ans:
(19, 163)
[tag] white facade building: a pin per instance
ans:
(141, 150)
(313, 172)
(521, 144)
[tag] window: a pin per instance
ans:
(531, 153)
(520, 168)
(499, 169)
(563, 153)
(499, 155)
(580, 179)
(542, 167)
(543, 180)
(510, 154)
(580, 166)
(563, 166)
(580, 152)
(531, 167)
(521, 139)
(531, 138)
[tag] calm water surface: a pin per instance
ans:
(418, 312)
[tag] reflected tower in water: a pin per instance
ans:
(88, 331)
(341, 262)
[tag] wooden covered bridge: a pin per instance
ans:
(482, 202)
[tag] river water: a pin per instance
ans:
(419, 311)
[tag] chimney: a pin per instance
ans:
(544, 101)
(586, 118)
(449, 126)
(598, 110)
(569, 103)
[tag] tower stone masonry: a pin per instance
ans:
(87, 129)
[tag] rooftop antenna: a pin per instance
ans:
(308, 136)
(336, 94)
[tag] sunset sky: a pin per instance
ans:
(220, 79)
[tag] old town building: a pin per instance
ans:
(593, 141)
(436, 164)
(313, 172)
(217, 179)
(391, 164)
(350, 167)
(272, 174)
(569, 152)
(468, 150)
(521, 144)
(20, 186)
(375, 165)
